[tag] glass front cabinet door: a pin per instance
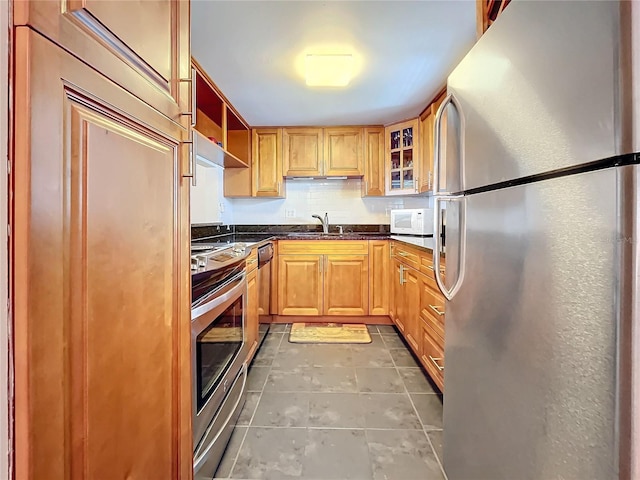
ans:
(402, 158)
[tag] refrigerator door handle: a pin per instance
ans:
(437, 147)
(462, 246)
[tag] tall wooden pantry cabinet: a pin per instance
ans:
(100, 240)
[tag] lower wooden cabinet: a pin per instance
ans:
(300, 284)
(346, 285)
(379, 277)
(398, 315)
(251, 315)
(417, 308)
(323, 284)
(432, 353)
(411, 300)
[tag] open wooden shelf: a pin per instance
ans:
(209, 153)
(216, 119)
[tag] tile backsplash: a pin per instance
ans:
(341, 199)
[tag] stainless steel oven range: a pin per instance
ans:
(219, 296)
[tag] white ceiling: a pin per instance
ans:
(403, 50)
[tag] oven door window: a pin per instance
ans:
(216, 347)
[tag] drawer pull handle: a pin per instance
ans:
(251, 262)
(436, 309)
(403, 254)
(435, 362)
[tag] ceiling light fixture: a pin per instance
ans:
(328, 70)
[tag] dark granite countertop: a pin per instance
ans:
(256, 235)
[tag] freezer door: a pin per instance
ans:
(538, 92)
(530, 342)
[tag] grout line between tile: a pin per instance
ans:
(436, 455)
(276, 427)
(433, 450)
(235, 460)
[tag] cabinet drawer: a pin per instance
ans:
(436, 328)
(406, 255)
(432, 306)
(330, 247)
(252, 260)
(432, 355)
(426, 264)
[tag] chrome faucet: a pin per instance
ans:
(325, 222)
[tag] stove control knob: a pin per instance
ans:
(194, 266)
(202, 263)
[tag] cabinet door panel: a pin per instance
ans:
(303, 152)
(264, 289)
(251, 320)
(346, 285)
(267, 163)
(343, 151)
(150, 37)
(432, 355)
(411, 296)
(379, 278)
(398, 316)
(300, 284)
(426, 151)
(373, 185)
(402, 148)
(101, 297)
(432, 307)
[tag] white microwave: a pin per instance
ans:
(412, 221)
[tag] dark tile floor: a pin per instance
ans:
(336, 412)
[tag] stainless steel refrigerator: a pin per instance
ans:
(538, 183)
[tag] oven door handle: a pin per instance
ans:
(237, 285)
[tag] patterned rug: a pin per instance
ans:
(329, 333)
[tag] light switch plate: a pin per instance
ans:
(289, 213)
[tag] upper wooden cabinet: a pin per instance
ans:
(142, 46)
(343, 151)
(402, 141)
(427, 141)
(102, 340)
(373, 182)
(266, 163)
(487, 11)
(303, 152)
(322, 152)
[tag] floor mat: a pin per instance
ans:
(329, 333)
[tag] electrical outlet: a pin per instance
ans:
(221, 207)
(289, 213)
